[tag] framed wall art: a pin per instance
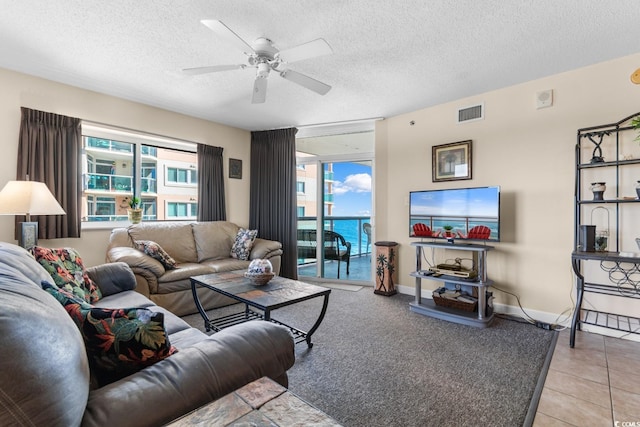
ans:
(235, 168)
(451, 162)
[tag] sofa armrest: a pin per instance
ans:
(265, 249)
(194, 376)
(112, 278)
(135, 259)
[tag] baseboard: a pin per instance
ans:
(541, 316)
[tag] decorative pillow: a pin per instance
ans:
(155, 251)
(241, 248)
(67, 271)
(119, 342)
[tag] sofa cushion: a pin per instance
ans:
(118, 341)
(243, 243)
(175, 237)
(229, 264)
(155, 251)
(67, 271)
(214, 239)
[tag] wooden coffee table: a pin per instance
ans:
(259, 300)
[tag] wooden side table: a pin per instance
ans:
(262, 402)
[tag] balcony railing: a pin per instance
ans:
(119, 147)
(121, 183)
(350, 227)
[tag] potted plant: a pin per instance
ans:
(447, 230)
(636, 125)
(135, 211)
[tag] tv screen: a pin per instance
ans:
(461, 213)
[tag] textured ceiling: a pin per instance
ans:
(389, 57)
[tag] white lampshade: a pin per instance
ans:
(28, 198)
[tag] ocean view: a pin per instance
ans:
(350, 228)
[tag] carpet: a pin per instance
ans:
(375, 363)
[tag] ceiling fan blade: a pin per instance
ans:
(259, 90)
(312, 49)
(211, 69)
(227, 34)
(306, 81)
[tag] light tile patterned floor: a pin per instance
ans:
(596, 383)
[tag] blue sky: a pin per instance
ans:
(476, 202)
(351, 189)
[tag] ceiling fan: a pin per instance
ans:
(265, 57)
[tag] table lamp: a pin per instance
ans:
(28, 198)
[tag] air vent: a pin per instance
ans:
(472, 113)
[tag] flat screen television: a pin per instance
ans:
(460, 213)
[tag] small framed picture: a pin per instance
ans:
(235, 168)
(28, 237)
(452, 161)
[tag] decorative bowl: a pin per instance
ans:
(259, 279)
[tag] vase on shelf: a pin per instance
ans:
(601, 240)
(598, 189)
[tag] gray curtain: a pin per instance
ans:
(49, 151)
(211, 202)
(272, 203)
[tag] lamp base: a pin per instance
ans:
(28, 236)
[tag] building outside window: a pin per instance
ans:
(118, 165)
(180, 210)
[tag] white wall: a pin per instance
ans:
(20, 90)
(529, 152)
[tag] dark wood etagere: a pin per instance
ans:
(622, 268)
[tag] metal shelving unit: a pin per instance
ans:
(483, 317)
(623, 269)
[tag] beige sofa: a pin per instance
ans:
(198, 248)
(46, 376)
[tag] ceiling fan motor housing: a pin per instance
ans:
(264, 47)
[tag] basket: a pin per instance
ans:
(259, 279)
(452, 303)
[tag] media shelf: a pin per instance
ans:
(483, 317)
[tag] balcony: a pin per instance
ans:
(350, 227)
(119, 147)
(117, 183)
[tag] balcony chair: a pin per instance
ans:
(478, 232)
(336, 248)
(423, 230)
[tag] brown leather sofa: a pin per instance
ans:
(198, 248)
(45, 377)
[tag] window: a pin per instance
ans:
(181, 210)
(119, 164)
(300, 186)
(300, 211)
(182, 176)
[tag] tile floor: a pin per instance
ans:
(596, 383)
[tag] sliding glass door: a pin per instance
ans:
(334, 219)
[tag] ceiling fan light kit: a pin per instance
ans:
(264, 57)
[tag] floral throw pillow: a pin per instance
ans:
(119, 341)
(241, 248)
(67, 271)
(155, 251)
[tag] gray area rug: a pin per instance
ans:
(375, 363)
